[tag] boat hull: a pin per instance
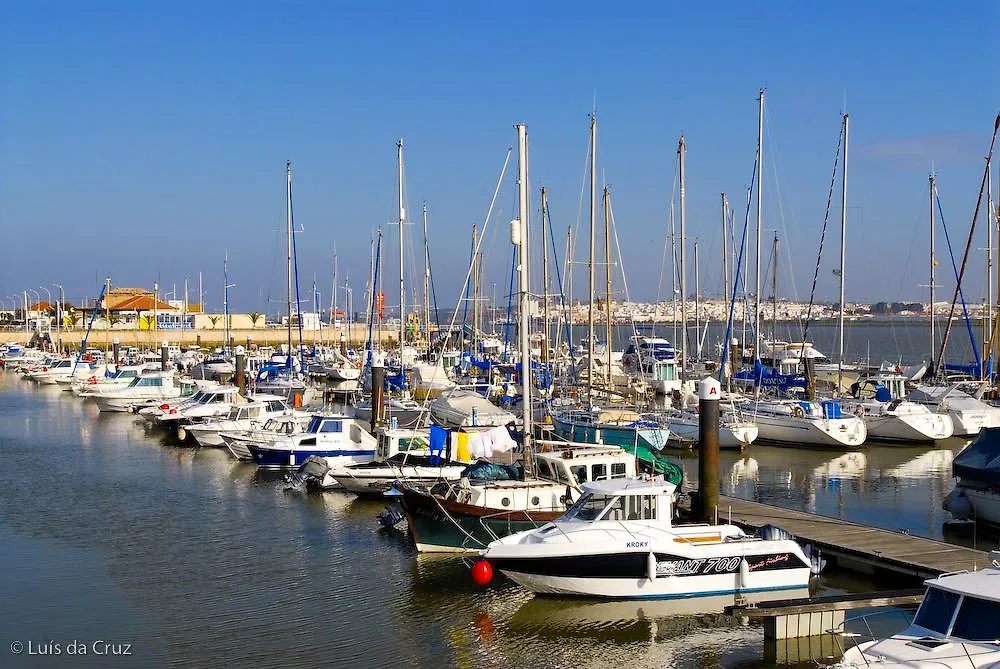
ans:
(279, 458)
(826, 432)
(918, 428)
(444, 526)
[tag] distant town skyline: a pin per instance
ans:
(145, 142)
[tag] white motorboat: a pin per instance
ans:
(619, 541)
(237, 441)
(795, 423)
(466, 408)
(205, 405)
(342, 440)
(968, 414)
(150, 386)
(241, 416)
(400, 455)
(407, 413)
(121, 377)
(957, 625)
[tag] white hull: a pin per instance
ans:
(970, 422)
(796, 431)
(661, 588)
(984, 504)
(377, 480)
(126, 402)
(730, 436)
(913, 428)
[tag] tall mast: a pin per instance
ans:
(545, 280)
(569, 289)
(427, 282)
(932, 189)
(681, 152)
(725, 249)
(607, 279)
(333, 296)
(590, 265)
(760, 213)
(774, 291)
(402, 287)
(843, 260)
(475, 290)
(524, 286)
(988, 321)
(697, 304)
(288, 264)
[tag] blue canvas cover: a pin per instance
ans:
(980, 461)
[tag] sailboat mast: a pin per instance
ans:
(697, 304)
(681, 152)
(843, 260)
(774, 292)
(569, 289)
(607, 279)
(988, 321)
(760, 214)
(524, 286)
(725, 247)
(932, 188)
(288, 264)
(427, 282)
(333, 291)
(402, 219)
(590, 265)
(545, 280)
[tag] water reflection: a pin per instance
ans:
(891, 487)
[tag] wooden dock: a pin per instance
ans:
(857, 547)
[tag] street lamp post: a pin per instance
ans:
(38, 299)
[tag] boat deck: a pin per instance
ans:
(854, 546)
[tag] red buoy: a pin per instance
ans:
(482, 572)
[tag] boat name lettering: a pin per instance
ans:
(769, 560)
(636, 544)
(679, 567)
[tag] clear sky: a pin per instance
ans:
(142, 140)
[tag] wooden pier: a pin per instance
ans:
(857, 547)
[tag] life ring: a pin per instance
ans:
(357, 364)
(859, 411)
(798, 411)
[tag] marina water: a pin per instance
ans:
(188, 559)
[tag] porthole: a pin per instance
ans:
(535, 501)
(505, 501)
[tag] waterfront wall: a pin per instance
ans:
(212, 337)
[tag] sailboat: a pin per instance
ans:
(791, 422)
(490, 500)
(609, 425)
(287, 380)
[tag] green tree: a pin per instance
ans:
(214, 320)
(254, 317)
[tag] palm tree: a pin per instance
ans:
(254, 317)
(214, 320)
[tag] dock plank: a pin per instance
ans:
(893, 551)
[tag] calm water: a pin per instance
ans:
(896, 340)
(107, 534)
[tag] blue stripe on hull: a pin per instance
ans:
(269, 457)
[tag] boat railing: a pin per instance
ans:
(512, 516)
(842, 631)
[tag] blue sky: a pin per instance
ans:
(141, 140)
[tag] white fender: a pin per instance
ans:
(651, 566)
(744, 574)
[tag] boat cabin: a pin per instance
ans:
(393, 441)
(963, 606)
(882, 387)
(624, 500)
(576, 464)
(330, 429)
